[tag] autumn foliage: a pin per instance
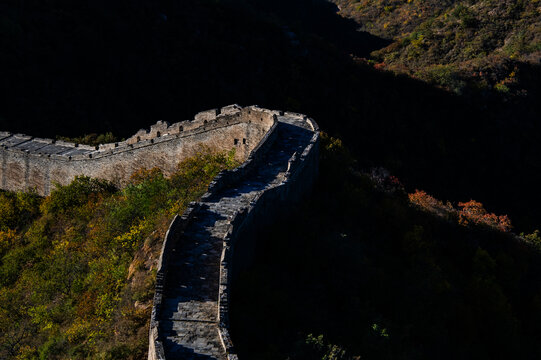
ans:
(474, 212)
(77, 268)
(467, 213)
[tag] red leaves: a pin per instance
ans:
(471, 212)
(380, 66)
(474, 212)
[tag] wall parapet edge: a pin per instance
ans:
(228, 177)
(177, 226)
(298, 181)
(265, 205)
(28, 162)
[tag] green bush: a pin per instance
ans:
(17, 209)
(444, 75)
(466, 16)
(64, 198)
(78, 261)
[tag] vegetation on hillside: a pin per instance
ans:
(72, 68)
(465, 46)
(77, 268)
(471, 212)
(361, 272)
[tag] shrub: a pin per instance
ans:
(465, 15)
(471, 212)
(474, 212)
(64, 198)
(71, 265)
(318, 348)
(17, 209)
(431, 204)
(533, 238)
(446, 76)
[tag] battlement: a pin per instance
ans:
(278, 152)
(215, 239)
(28, 162)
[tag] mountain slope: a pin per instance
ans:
(462, 45)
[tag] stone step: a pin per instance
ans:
(188, 320)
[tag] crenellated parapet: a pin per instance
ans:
(215, 239)
(28, 162)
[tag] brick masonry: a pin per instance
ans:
(215, 239)
(33, 163)
(206, 247)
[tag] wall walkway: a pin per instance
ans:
(33, 163)
(215, 238)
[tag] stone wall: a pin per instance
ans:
(34, 163)
(243, 214)
(279, 153)
(176, 227)
(241, 242)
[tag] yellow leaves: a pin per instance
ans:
(40, 316)
(7, 239)
(105, 306)
(129, 239)
(145, 175)
(25, 353)
(332, 144)
(417, 42)
(87, 239)
(79, 331)
(503, 85)
(67, 241)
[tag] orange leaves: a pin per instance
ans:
(430, 204)
(474, 212)
(380, 66)
(7, 238)
(468, 213)
(471, 209)
(85, 305)
(422, 199)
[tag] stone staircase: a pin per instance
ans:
(189, 324)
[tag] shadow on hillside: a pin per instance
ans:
(320, 18)
(352, 262)
(96, 67)
(121, 67)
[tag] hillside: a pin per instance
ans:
(78, 268)
(93, 67)
(367, 267)
(465, 46)
(362, 273)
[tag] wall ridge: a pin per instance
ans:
(215, 238)
(161, 131)
(30, 162)
(220, 239)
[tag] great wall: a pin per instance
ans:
(34, 163)
(215, 239)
